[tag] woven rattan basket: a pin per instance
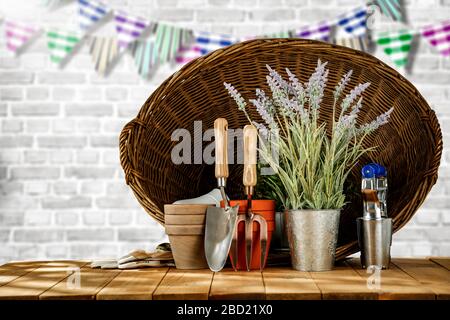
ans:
(409, 146)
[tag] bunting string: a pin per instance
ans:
(152, 43)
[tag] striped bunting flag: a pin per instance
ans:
(439, 36)
(90, 13)
(320, 31)
(390, 8)
(203, 43)
(354, 22)
(357, 43)
(18, 35)
(129, 28)
(165, 45)
(52, 3)
(61, 44)
(396, 45)
(280, 34)
(104, 52)
(144, 57)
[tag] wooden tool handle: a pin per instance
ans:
(250, 144)
(221, 138)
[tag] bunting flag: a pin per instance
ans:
(104, 52)
(320, 31)
(354, 22)
(280, 34)
(390, 8)
(90, 13)
(144, 58)
(396, 45)
(203, 43)
(164, 47)
(439, 36)
(18, 35)
(129, 28)
(52, 3)
(169, 40)
(61, 44)
(358, 43)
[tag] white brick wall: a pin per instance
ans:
(62, 193)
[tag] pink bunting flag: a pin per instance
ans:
(129, 28)
(18, 35)
(439, 36)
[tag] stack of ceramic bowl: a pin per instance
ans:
(185, 226)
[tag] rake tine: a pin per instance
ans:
(248, 242)
(263, 239)
(234, 242)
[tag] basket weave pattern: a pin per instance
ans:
(410, 145)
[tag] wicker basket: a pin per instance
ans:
(411, 144)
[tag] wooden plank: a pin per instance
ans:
(394, 284)
(34, 283)
(133, 285)
(342, 283)
(287, 284)
(445, 262)
(184, 285)
(230, 284)
(91, 281)
(430, 274)
(12, 271)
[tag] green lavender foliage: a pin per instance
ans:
(312, 168)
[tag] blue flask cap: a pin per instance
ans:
(372, 170)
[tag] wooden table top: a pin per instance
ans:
(406, 279)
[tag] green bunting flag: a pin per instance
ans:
(396, 45)
(161, 48)
(390, 8)
(280, 34)
(61, 44)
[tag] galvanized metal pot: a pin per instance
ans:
(312, 236)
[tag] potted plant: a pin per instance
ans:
(312, 159)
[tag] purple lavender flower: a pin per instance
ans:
(278, 79)
(236, 96)
(316, 85)
(262, 129)
(264, 108)
(298, 90)
(342, 84)
(382, 119)
(357, 91)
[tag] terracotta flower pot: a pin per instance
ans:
(185, 226)
(266, 209)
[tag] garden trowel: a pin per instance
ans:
(220, 222)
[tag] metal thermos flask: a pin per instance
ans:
(374, 227)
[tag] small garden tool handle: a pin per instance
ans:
(221, 141)
(250, 139)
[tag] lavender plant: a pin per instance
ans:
(311, 167)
